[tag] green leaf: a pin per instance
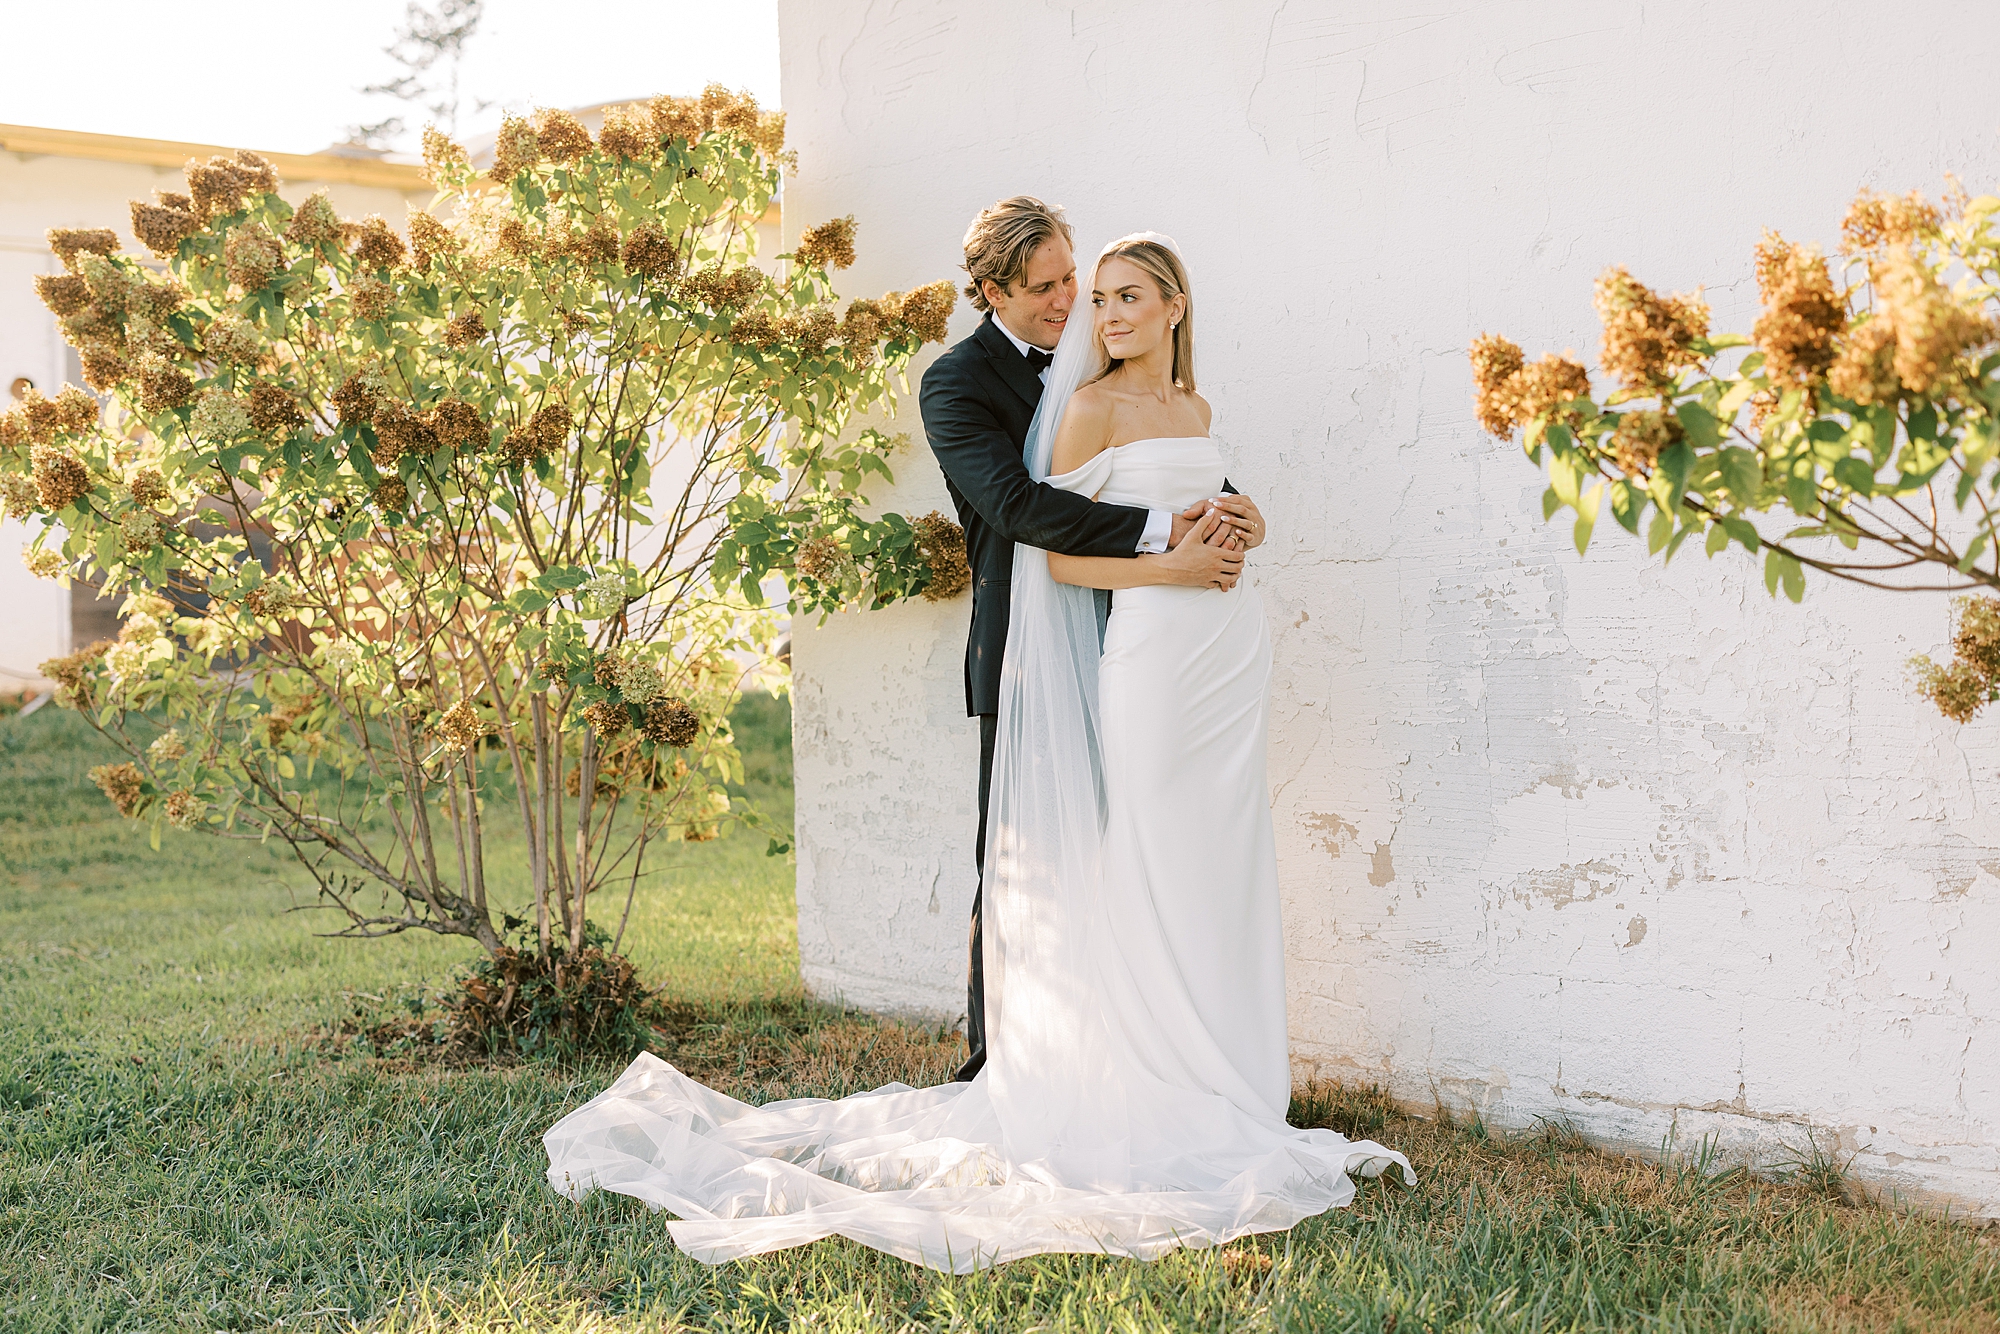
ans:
(1628, 502)
(1774, 566)
(1742, 532)
(1564, 478)
(1551, 502)
(286, 769)
(1586, 517)
(1743, 475)
(1795, 580)
(1659, 531)
(1973, 551)
(1855, 475)
(1703, 430)
(1718, 538)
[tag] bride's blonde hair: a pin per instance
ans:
(1164, 267)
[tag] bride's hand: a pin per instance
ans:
(1207, 557)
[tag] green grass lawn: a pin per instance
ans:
(186, 1144)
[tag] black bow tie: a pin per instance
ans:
(1038, 360)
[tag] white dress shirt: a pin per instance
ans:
(1159, 523)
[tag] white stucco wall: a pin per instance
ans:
(1559, 837)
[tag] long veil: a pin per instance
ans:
(1045, 816)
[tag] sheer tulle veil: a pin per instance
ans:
(1046, 806)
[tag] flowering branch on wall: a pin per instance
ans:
(1865, 393)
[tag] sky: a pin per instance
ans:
(285, 75)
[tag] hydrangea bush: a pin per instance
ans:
(495, 516)
(1855, 431)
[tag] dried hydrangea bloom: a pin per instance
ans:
(60, 477)
(430, 239)
(376, 245)
(462, 331)
(942, 545)
(18, 495)
(272, 409)
(756, 329)
(827, 246)
(926, 312)
(1647, 337)
(401, 430)
(724, 290)
(219, 415)
(459, 425)
(72, 670)
(769, 135)
(819, 559)
(168, 747)
(370, 298)
(161, 229)
(141, 530)
(149, 488)
(628, 133)
(252, 256)
(1933, 329)
(230, 339)
(215, 186)
(41, 561)
(104, 368)
(1972, 680)
(270, 599)
(560, 135)
(671, 723)
(550, 427)
(1874, 221)
(460, 728)
(184, 809)
(595, 244)
(515, 149)
(391, 494)
(62, 293)
(359, 395)
(650, 253)
(1639, 438)
(1802, 316)
(604, 668)
(256, 172)
(677, 118)
(607, 719)
(315, 223)
(444, 160)
(75, 411)
(862, 325)
(1495, 361)
(122, 783)
(70, 242)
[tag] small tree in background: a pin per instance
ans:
(1864, 419)
(410, 532)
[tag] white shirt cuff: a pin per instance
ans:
(1159, 531)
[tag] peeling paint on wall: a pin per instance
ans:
(1669, 857)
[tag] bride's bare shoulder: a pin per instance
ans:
(1201, 406)
(1086, 428)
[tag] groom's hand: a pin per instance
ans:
(1210, 560)
(1240, 521)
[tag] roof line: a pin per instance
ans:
(328, 167)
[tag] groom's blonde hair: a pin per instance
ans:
(1164, 267)
(1003, 238)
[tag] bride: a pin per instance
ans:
(1137, 1079)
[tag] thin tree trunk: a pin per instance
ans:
(638, 859)
(538, 849)
(586, 786)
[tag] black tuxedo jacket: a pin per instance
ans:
(978, 400)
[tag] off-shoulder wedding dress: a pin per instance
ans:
(1137, 1081)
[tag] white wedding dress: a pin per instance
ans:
(1136, 1090)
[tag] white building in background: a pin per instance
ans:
(1559, 837)
(61, 178)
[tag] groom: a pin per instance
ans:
(978, 400)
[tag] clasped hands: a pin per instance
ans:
(1221, 529)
